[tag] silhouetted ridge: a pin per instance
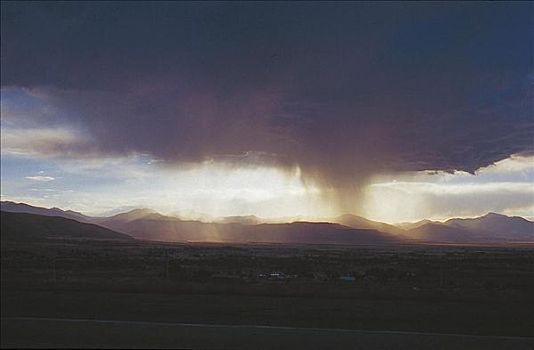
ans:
(150, 225)
(29, 227)
(13, 207)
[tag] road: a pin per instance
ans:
(27, 332)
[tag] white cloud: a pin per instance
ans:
(105, 184)
(41, 141)
(506, 187)
(40, 178)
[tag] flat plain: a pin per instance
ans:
(465, 290)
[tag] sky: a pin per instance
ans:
(394, 111)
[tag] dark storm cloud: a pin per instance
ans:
(344, 90)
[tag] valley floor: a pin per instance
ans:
(307, 293)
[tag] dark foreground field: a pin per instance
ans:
(54, 333)
(135, 294)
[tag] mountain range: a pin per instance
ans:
(147, 224)
(13, 207)
(32, 227)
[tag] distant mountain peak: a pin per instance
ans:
(359, 222)
(494, 215)
(13, 207)
(140, 210)
(496, 227)
(132, 215)
(135, 212)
